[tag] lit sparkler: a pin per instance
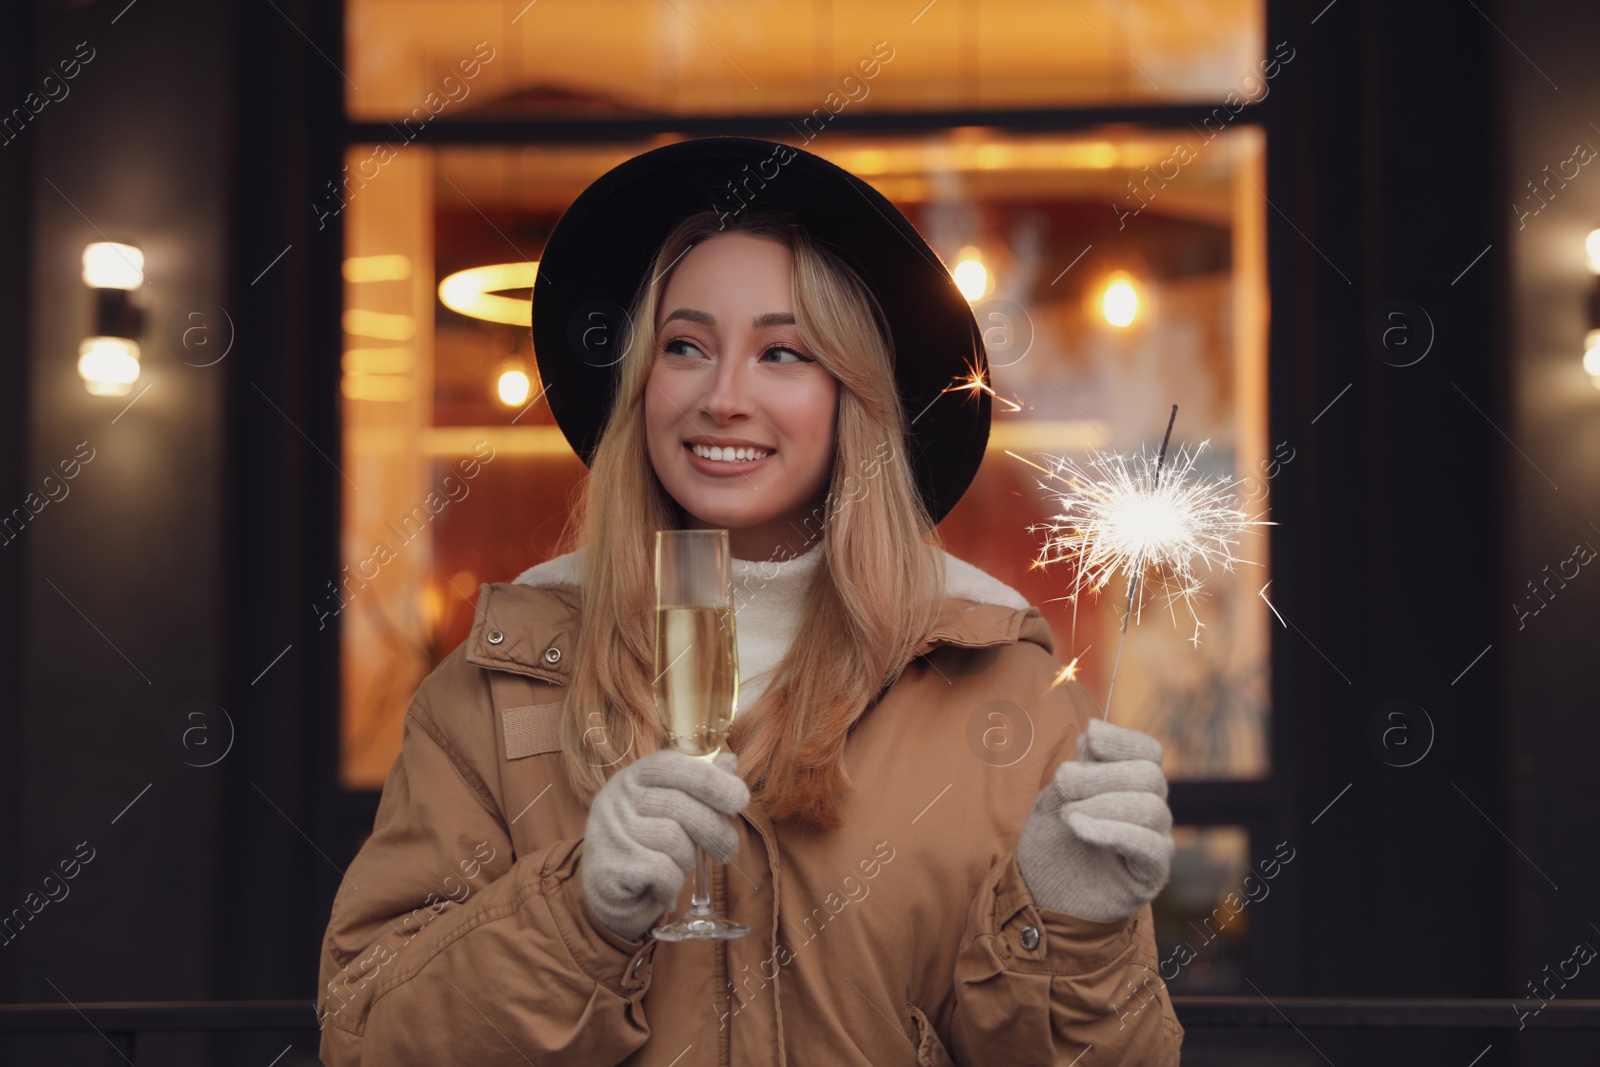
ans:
(1121, 515)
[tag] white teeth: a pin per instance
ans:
(728, 455)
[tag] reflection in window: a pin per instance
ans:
(1204, 916)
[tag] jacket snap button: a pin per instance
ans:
(552, 655)
(1029, 938)
(495, 637)
(638, 965)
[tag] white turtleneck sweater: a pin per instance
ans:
(768, 596)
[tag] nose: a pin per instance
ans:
(728, 396)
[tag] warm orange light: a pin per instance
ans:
(390, 268)
(971, 276)
(385, 326)
(432, 605)
(512, 383)
(1120, 301)
(475, 292)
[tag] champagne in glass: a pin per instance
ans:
(696, 681)
(697, 676)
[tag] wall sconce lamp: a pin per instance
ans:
(108, 359)
(1591, 340)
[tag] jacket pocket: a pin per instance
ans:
(532, 729)
(930, 1050)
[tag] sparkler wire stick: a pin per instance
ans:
(1138, 567)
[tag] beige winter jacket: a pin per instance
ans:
(459, 934)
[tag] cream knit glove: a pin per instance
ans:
(642, 829)
(1098, 842)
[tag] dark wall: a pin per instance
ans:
(150, 720)
(278, 866)
(1385, 560)
(121, 595)
(1425, 499)
(16, 68)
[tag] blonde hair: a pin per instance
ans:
(874, 598)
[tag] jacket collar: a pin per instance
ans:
(529, 626)
(525, 630)
(974, 625)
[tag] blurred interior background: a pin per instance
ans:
(266, 273)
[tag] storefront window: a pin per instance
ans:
(464, 478)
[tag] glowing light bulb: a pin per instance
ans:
(971, 276)
(513, 384)
(1591, 361)
(108, 265)
(1591, 244)
(108, 365)
(1120, 302)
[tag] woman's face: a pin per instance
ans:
(732, 379)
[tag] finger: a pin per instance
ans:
(720, 840)
(1146, 854)
(1140, 809)
(727, 760)
(704, 781)
(662, 836)
(1079, 780)
(703, 824)
(1107, 742)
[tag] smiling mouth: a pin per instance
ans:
(741, 454)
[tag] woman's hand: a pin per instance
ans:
(642, 829)
(1098, 842)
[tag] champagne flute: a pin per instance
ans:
(696, 682)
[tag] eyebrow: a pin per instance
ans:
(771, 318)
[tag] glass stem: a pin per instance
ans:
(700, 894)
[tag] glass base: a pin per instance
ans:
(691, 929)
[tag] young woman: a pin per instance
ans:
(943, 854)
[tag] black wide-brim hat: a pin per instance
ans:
(605, 243)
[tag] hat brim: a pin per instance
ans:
(605, 242)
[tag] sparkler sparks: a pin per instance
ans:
(974, 382)
(1126, 515)
(1115, 520)
(1069, 673)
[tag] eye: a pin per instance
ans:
(677, 344)
(798, 357)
